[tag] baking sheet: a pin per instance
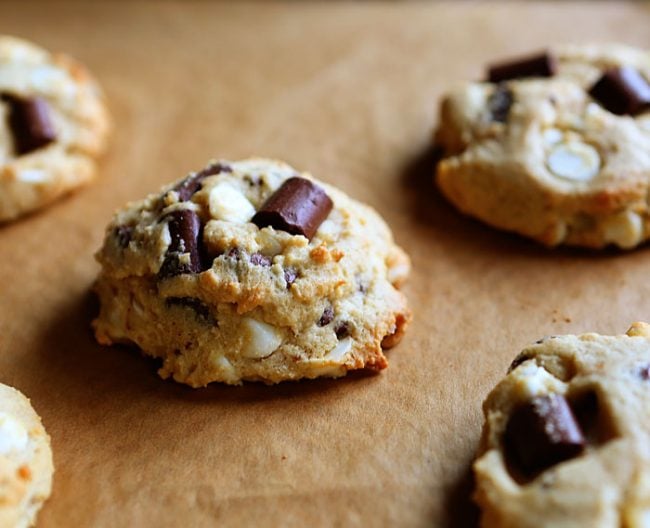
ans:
(347, 91)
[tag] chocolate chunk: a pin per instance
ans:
(192, 183)
(234, 253)
(542, 433)
(185, 231)
(297, 207)
(644, 372)
(342, 330)
(519, 360)
(622, 91)
(326, 318)
(30, 123)
(541, 65)
(499, 103)
(123, 234)
(200, 309)
(290, 276)
(258, 259)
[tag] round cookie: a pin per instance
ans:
(53, 125)
(25, 460)
(249, 270)
(566, 440)
(557, 148)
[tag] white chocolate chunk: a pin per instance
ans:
(260, 339)
(13, 436)
(340, 350)
(226, 368)
(574, 161)
(227, 203)
(552, 136)
(536, 381)
(624, 229)
(32, 175)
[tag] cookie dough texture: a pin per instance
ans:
(78, 115)
(609, 484)
(269, 306)
(25, 461)
(542, 158)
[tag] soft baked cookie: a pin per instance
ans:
(566, 441)
(556, 147)
(53, 124)
(25, 461)
(249, 270)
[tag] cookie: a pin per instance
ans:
(249, 270)
(556, 147)
(566, 440)
(25, 460)
(53, 125)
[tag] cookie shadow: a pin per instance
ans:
(73, 359)
(461, 509)
(459, 231)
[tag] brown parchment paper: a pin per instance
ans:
(349, 92)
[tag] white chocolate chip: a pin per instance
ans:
(624, 229)
(226, 368)
(227, 203)
(552, 136)
(13, 436)
(533, 381)
(574, 161)
(340, 350)
(260, 339)
(32, 175)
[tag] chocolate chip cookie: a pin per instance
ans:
(53, 125)
(249, 270)
(554, 146)
(25, 460)
(566, 435)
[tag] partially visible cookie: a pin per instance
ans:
(25, 460)
(556, 147)
(566, 440)
(53, 125)
(250, 270)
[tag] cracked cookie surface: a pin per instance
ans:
(566, 435)
(53, 125)
(552, 157)
(195, 276)
(25, 460)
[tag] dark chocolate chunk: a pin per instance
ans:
(30, 123)
(342, 330)
(290, 276)
(258, 259)
(297, 207)
(542, 433)
(192, 183)
(519, 360)
(234, 253)
(622, 91)
(185, 231)
(326, 318)
(199, 308)
(644, 372)
(123, 234)
(541, 65)
(499, 103)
